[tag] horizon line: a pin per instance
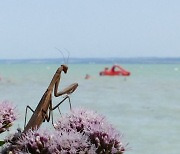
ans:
(145, 57)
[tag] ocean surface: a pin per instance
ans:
(144, 107)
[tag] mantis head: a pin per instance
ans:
(65, 68)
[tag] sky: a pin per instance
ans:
(89, 28)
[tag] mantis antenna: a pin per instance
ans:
(68, 55)
(64, 59)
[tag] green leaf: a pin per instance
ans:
(2, 142)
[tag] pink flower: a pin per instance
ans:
(7, 115)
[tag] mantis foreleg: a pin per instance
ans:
(70, 89)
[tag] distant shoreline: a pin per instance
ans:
(145, 60)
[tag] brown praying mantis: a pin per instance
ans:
(44, 109)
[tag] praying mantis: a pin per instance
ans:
(44, 109)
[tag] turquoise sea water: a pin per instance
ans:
(145, 107)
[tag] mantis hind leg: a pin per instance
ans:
(60, 110)
(27, 107)
(57, 106)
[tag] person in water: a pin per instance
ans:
(106, 69)
(87, 76)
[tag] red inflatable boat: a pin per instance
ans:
(116, 70)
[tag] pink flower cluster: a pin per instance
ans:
(7, 115)
(99, 132)
(56, 142)
(79, 132)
